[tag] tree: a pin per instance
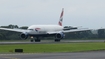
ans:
(24, 27)
(101, 33)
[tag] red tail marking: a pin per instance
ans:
(61, 17)
(60, 23)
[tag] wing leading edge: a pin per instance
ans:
(14, 30)
(76, 30)
(69, 31)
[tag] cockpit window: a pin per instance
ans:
(30, 29)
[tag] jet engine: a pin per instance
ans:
(24, 35)
(60, 35)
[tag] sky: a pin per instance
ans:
(77, 13)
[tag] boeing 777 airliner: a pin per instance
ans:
(37, 31)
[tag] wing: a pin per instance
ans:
(69, 31)
(75, 30)
(14, 30)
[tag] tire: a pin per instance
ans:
(57, 40)
(32, 40)
(37, 40)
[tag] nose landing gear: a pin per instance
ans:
(35, 39)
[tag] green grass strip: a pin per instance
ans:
(52, 48)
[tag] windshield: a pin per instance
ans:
(30, 29)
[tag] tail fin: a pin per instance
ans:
(61, 18)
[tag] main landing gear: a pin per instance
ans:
(37, 39)
(57, 40)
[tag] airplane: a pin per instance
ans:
(37, 31)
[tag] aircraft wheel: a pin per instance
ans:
(37, 40)
(32, 40)
(57, 40)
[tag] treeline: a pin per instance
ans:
(96, 34)
(14, 26)
(9, 35)
(90, 34)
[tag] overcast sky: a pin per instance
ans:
(80, 13)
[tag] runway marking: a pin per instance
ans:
(10, 58)
(19, 54)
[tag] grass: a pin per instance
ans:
(52, 48)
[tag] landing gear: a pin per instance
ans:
(32, 40)
(35, 39)
(57, 40)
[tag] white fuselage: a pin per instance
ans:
(44, 29)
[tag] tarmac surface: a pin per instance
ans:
(50, 42)
(75, 55)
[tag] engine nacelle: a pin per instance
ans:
(60, 35)
(24, 35)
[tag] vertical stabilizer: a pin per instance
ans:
(61, 18)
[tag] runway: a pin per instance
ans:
(50, 42)
(71, 55)
(75, 55)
